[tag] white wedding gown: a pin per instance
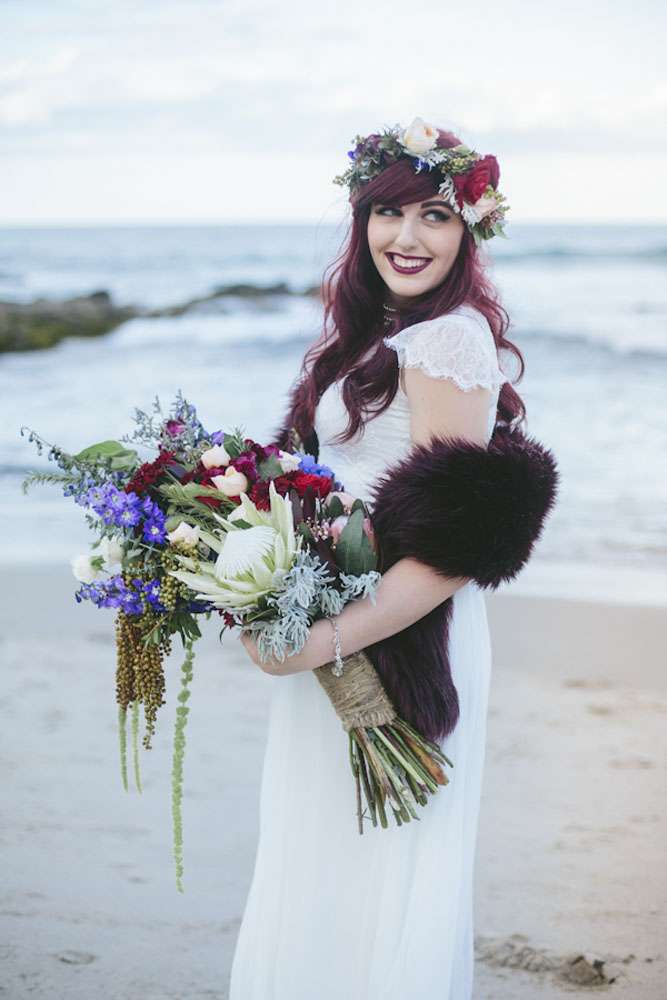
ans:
(387, 915)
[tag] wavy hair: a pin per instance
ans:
(353, 294)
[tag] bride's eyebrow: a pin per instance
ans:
(424, 204)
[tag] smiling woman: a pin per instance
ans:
(457, 499)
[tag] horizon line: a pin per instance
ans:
(156, 223)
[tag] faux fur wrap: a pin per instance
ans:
(466, 510)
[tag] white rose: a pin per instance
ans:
(288, 462)
(232, 483)
(215, 457)
(82, 569)
(184, 533)
(419, 137)
(484, 206)
(111, 551)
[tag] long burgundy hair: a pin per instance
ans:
(353, 294)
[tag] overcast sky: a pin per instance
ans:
(203, 111)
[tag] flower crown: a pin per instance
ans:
(469, 180)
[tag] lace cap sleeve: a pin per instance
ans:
(456, 346)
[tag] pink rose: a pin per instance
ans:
(336, 527)
(368, 531)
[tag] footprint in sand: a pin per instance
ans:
(637, 763)
(75, 957)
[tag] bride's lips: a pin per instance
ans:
(407, 270)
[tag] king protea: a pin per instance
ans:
(255, 551)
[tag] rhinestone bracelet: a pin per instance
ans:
(337, 668)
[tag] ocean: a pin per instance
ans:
(589, 313)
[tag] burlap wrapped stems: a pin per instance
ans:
(390, 760)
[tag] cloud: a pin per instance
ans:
(260, 81)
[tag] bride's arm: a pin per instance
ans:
(409, 589)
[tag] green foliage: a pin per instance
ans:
(270, 468)
(182, 500)
(122, 739)
(335, 507)
(234, 443)
(135, 743)
(110, 453)
(54, 478)
(177, 765)
(354, 552)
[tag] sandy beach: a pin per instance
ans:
(570, 876)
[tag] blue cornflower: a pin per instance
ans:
(308, 464)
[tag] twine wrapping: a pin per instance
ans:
(358, 695)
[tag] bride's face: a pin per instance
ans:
(413, 246)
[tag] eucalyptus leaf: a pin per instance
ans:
(105, 450)
(270, 468)
(335, 507)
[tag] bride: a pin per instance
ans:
(409, 351)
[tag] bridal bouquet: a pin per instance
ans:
(218, 523)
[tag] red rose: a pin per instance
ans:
(259, 491)
(321, 484)
(494, 170)
(471, 186)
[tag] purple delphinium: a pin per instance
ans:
(125, 510)
(154, 529)
(113, 505)
(115, 593)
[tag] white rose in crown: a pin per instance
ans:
(232, 483)
(288, 462)
(215, 457)
(484, 206)
(83, 570)
(419, 137)
(184, 533)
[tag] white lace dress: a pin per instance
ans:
(387, 915)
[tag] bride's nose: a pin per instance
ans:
(406, 240)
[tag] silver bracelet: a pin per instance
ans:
(337, 669)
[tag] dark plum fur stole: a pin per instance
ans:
(466, 510)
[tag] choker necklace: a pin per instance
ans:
(389, 312)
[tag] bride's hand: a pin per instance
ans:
(315, 653)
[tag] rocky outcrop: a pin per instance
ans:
(31, 326)
(35, 325)
(249, 293)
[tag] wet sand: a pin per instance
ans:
(570, 857)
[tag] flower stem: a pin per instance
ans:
(135, 743)
(177, 763)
